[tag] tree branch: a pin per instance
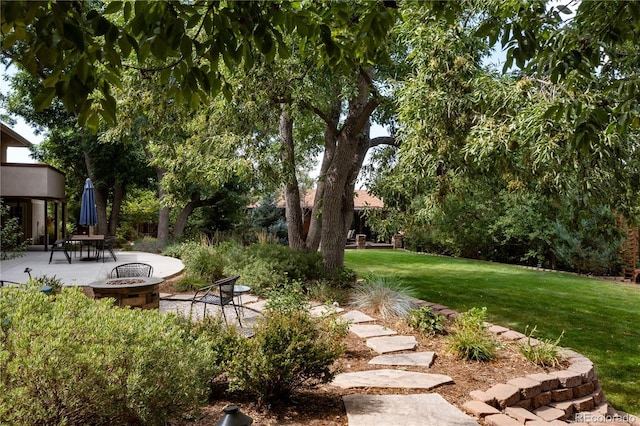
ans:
(384, 140)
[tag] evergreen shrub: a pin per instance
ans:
(289, 350)
(72, 360)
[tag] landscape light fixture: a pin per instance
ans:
(234, 417)
(28, 271)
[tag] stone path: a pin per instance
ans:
(405, 410)
(391, 410)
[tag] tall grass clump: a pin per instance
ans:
(382, 295)
(542, 352)
(470, 338)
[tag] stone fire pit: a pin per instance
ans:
(137, 292)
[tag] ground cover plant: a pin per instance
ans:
(600, 318)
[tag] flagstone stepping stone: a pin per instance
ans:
(371, 330)
(257, 306)
(406, 410)
(323, 310)
(387, 378)
(356, 317)
(422, 359)
(386, 344)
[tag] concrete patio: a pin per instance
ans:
(82, 272)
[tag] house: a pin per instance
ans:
(35, 193)
(362, 200)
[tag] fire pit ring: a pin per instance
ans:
(136, 292)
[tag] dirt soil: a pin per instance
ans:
(322, 406)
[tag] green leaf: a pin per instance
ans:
(101, 26)
(127, 11)
(75, 34)
(125, 47)
(44, 98)
(113, 7)
(52, 80)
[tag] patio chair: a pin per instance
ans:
(220, 293)
(107, 246)
(63, 246)
(132, 270)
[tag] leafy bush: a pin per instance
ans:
(289, 350)
(542, 352)
(326, 291)
(54, 282)
(224, 341)
(383, 295)
(267, 266)
(10, 235)
(202, 261)
(470, 339)
(72, 360)
(190, 283)
(288, 298)
(425, 321)
(146, 244)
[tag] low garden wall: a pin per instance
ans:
(572, 395)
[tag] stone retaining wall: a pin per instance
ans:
(573, 395)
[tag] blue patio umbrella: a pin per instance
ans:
(88, 212)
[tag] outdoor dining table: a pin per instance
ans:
(136, 292)
(88, 240)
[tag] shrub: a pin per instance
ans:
(10, 235)
(542, 352)
(202, 261)
(190, 283)
(384, 295)
(289, 350)
(470, 339)
(425, 321)
(326, 291)
(287, 298)
(223, 341)
(73, 360)
(146, 244)
(267, 266)
(54, 282)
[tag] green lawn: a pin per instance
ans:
(601, 319)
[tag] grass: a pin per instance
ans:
(600, 319)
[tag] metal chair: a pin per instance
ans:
(107, 245)
(61, 245)
(220, 293)
(132, 270)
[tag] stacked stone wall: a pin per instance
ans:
(572, 395)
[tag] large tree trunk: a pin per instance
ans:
(116, 206)
(183, 216)
(331, 134)
(339, 182)
(293, 209)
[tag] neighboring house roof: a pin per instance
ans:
(361, 199)
(11, 138)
